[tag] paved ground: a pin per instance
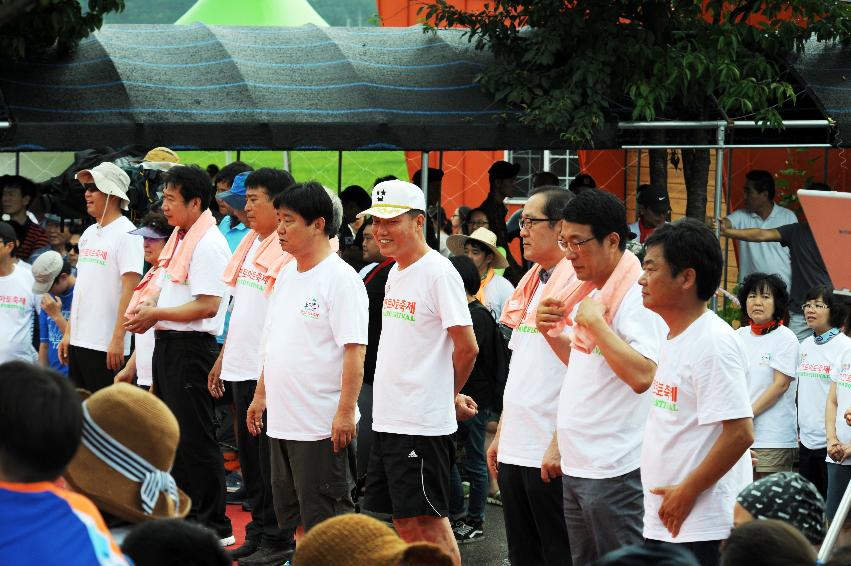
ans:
(493, 550)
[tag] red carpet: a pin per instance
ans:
(238, 519)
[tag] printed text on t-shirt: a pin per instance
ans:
(665, 396)
(399, 308)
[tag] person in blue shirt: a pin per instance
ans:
(54, 281)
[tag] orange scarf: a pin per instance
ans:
(625, 275)
(147, 287)
(238, 258)
(176, 261)
(515, 306)
(267, 259)
(480, 295)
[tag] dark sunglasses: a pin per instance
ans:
(72, 247)
(90, 187)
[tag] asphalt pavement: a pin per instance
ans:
(493, 549)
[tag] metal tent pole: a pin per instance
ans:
(424, 186)
(339, 172)
(719, 180)
(286, 156)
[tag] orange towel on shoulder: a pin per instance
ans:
(625, 275)
(515, 306)
(238, 258)
(176, 261)
(149, 286)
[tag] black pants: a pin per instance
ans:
(255, 462)
(814, 467)
(181, 364)
(87, 369)
(534, 517)
(707, 552)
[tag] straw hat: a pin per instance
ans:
(142, 423)
(359, 540)
(484, 236)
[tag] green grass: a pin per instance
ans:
(359, 167)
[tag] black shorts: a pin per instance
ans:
(408, 476)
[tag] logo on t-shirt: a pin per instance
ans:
(765, 359)
(526, 329)
(251, 278)
(399, 308)
(845, 376)
(93, 255)
(311, 308)
(814, 371)
(13, 302)
(665, 396)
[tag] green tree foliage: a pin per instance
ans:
(569, 63)
(29, 27)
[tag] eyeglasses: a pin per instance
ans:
(90, 187)
(572, 246)
(527, 223)
(814, 306)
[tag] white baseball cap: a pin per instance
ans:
(45, 270)
(395, 197)
(110, 179)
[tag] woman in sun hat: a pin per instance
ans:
(480, 246)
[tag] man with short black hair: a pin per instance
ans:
(315, 335)
(611, 357)
(18, 194)
(694, 458)
(241, 362)
(41, 423)
(426, 352)
(652, 210)
(502, 178)
(187, 316)
(17, 302)
(582, 183)
(760, 211)
(109, 267)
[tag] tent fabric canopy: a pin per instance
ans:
(216, 87)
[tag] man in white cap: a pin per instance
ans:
(55, 283)
(425, 354)
(108, 269)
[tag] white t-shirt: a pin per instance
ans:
(701, 381)
(105, 255)
(600, 418)
(765, 257)
(311, 316)
(530, 402)
(817, 366)
(209, 259)
(414, 386)
(366, 269)
(17, 311)
(777, 350)
(242, 359)
(842, 378)
(145, 357)
(497, 291)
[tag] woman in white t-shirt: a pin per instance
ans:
(827, 315)
(819, 363)
(155, 231)
(772, 351)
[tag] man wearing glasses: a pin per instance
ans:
(525, 438)
(611, 356)
(108, 269)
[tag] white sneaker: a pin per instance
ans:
(227, 541)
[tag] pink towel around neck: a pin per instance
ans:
(147, 287)
(556, 286)
(238, 258)
(625, 275)
(515, 306)
(176, 261)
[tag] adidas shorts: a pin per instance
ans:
(408, 476)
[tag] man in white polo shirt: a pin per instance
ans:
(108, 269)
(314, 341)
(532, 503)
(425, 354)
(694, 459)
(603, 402)
(187, 317)
(241, 360)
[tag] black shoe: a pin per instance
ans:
(468, 532)
(247, 507)
(236, 497)
(267, 557)
(248, 548)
